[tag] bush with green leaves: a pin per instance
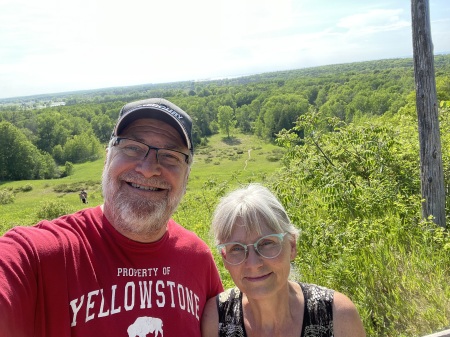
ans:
(26, 188)
(354, 191)
(444, 120)
(53, 209)
(6, 196)
(68, 169)
(357, 168)
(76, 186)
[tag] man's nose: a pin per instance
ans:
(149, 166)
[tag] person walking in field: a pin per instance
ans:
(83, 196)
(124, 268)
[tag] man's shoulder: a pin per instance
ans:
(51, 236)
(184, 236)
(80, 218)
(46, 229)
(176, 228)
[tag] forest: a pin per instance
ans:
(47, 137)
(350, 176)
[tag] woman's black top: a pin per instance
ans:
(317, 318)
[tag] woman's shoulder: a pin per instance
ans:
(336, 306)
(316, 292)
(347, 321)
(230, 294)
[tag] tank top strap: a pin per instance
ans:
(318, 317)
(231, 318)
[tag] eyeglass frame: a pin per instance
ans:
(222, 245)
(116, 141)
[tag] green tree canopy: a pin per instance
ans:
(82, 147)
(20, 159)
(102, 126)
(280, 112)
(226, 119)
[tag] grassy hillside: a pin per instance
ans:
(26, 206)
(243, 156)
(240, 158)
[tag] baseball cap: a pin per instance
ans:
(157, 108)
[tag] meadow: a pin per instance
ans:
(240, 158)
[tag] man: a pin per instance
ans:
(124, 268)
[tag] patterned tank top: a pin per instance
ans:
(317, 318)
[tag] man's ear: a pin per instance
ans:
(106, 155)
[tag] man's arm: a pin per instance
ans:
(17, 286)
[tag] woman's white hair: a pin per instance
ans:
(250, 207)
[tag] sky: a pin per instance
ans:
(52, 46)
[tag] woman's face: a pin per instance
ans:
(260, 277)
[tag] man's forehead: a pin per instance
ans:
(151, 127)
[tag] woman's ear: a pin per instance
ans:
(293, 244)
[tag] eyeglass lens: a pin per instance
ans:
(139, 151)
(268, 246)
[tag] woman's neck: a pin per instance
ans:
(278, 315)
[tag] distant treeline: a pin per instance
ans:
(36, 139)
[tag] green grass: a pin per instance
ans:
(241, 158)
(24, 210)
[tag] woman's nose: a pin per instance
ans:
(252, 256)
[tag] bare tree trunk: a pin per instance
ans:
(432, 177)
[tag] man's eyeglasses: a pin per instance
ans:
(268, 247)
(137, 150)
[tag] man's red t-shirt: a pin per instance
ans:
(77, 276)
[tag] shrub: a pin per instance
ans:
(53, 209)
(68, 169)
(74, 187)
(26, 188)
(355, 194)
(6, 197)
(273, 158)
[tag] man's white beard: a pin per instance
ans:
(134, 214)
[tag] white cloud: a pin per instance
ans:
(59, 45)
(374, 21)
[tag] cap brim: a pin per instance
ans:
(153, 113)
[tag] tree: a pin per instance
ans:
(432, 176)
(51, 131)
(82, 147)
(102, 126)
(226, 119)
(20, 159)
(280, 112)
(245, 118)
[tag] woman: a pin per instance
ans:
(257, 242)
